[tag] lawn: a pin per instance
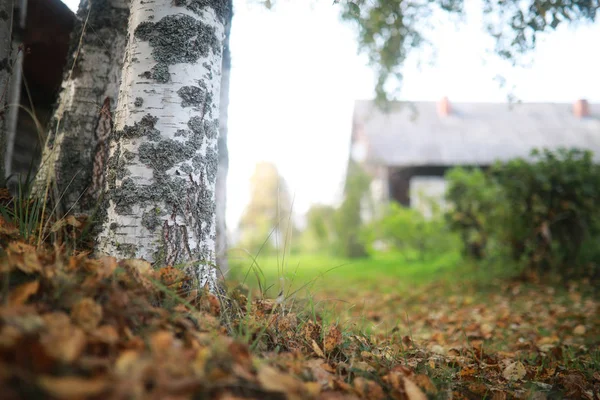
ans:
(302, 272)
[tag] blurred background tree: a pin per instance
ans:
(348, 217)
(267, 223)
(319, 236)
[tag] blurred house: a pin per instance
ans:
(42, 32)
(408, 150)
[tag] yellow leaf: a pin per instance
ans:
(317, 349)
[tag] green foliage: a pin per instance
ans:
(542, 211)
(388, 30)
(347, 219)
(407, 231)
(552, 202)
(476, 203)
(319, 235)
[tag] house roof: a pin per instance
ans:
(417, 133)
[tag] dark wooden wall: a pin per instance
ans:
(46, 44)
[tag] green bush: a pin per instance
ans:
(407, 231)
(553, 210)
(476, 205)
(542, 211)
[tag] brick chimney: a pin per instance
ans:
(581, 108)
(443, 107)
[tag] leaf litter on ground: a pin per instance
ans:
(76, 327)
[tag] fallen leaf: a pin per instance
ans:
(22, 293)
(467, 371)
(72, 387)
(412, 391)
(87, 314)
(579, 330)
(320, 372)
(317, 349)
(62, 340)
(425, 383)
(311, 331)
(106, 266)
(332, 339)
(368, 389)
(126, 362)
(275, 381)
(514, 372)
(105, 334)
(161, 342)
(70, 220)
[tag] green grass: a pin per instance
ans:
(302, 271)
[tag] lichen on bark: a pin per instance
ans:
(176, 39)
(164, 206)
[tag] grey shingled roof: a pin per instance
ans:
(474, 134)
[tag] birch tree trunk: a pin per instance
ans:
(221, 185)
(163, 159)
(5, 72)
(76, 150)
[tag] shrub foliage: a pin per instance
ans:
(541, 210)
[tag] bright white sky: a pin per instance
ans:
(296, 73)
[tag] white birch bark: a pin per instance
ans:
(221, 185)
(163, 159)
(93, 70)
(5, 72)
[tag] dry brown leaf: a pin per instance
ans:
(126, 362)
(332, 339)
(61, 340)
(72, 387)
(70, 220)
(412, 391)
(321, 372)
(311, 331)
(161, 342)
(273, 380)
(87, 314)
(368, 389)
(105, 334)
(22, 293)
(24, 257)
(497, 395)
(106, 266)
(467, 371)
(425, 383)
(514, 371)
